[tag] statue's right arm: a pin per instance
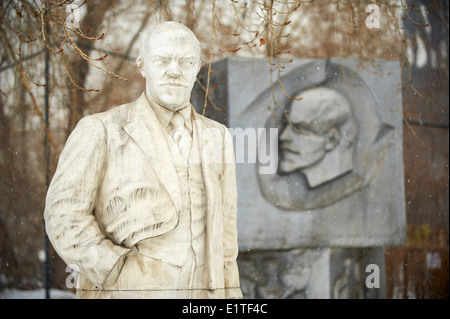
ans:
(70, 222)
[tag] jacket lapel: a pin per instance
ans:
(143, 127)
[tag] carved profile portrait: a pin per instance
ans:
(320, 137)
(331, 140)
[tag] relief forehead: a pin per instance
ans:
(319, 106)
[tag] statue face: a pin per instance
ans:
(171, 64)
(319, 141)
(305, 149)
(300, 150)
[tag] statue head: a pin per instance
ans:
(169, 60)
(320, 140)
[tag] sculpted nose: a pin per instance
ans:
(174, 69)
(286, 135)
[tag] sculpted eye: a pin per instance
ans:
(187, 62)
(299, 127)
(303, 129)
(161, 60)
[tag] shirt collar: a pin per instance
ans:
(165, 115)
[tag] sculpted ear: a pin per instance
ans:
(140, 64)
(332, 139)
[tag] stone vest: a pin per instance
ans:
(173, 246)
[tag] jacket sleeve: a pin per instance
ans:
(70, 221)
(230, 243)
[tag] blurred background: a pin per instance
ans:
(62, 60)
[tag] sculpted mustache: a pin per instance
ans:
(285, 147)
(174, 84)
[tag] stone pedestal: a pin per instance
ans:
(321, 273)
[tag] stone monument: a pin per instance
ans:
(320, 172)
(137, 205)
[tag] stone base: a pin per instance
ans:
(313, 273)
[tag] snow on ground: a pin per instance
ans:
(35, 294)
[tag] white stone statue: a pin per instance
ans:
(321, 139)
(136, 204)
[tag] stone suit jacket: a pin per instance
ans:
(116, 185)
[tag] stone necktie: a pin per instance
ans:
(181, 135)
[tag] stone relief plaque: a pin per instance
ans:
(333, 146)
(319, 153)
